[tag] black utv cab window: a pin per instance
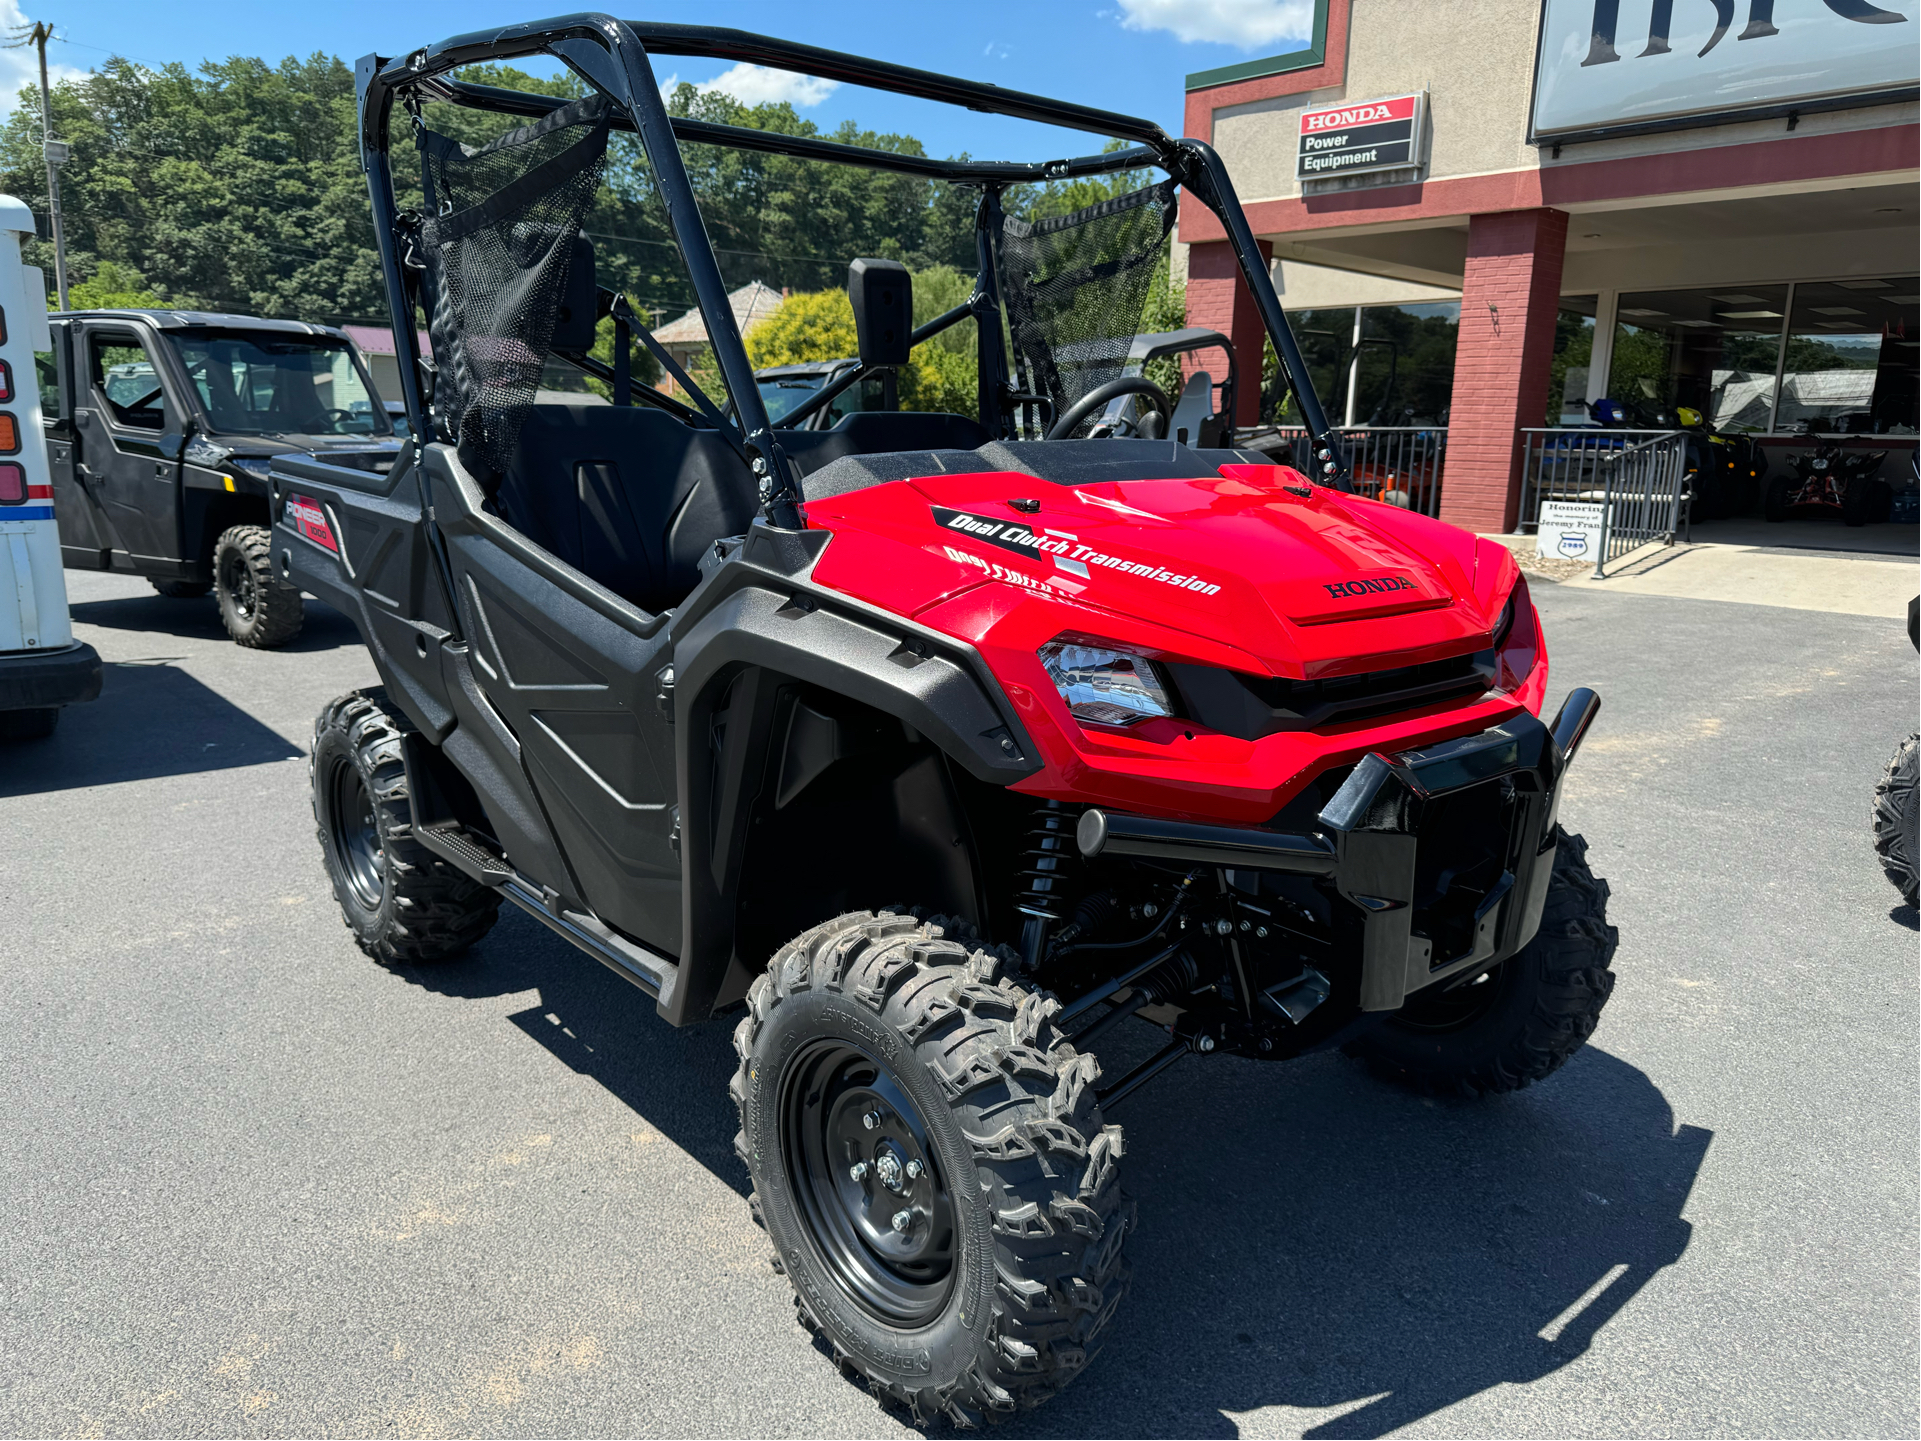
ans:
(261, 383)
(124, 375)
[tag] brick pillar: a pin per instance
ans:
(1509, 296)
(1218, 298)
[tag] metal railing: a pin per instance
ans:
(1398, 463)
(1633, 478)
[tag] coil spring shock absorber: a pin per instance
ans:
(1046, 858)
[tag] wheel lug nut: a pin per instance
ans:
(858, 1170)
(871, 1120)
(914, 1169)
(903, 1219)
(1223, 926)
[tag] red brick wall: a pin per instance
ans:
(1217, 297)
(1509, 296)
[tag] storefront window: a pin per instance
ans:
(1712, 350)
(1850, 363)
(1406, 371)
(1573, 349)
(1380, 364)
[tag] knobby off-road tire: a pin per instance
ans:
(966, 1076)
(1532, 1012)
(258, 608)
(404, 904)
(181, 589)
(1897, 809)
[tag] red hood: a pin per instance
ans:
(1299, 580)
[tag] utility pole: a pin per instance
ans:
(57, 151)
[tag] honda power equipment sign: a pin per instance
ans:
(1361, 137)
(1608, 68)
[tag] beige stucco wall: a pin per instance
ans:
(1307, 287)
(1475, 58)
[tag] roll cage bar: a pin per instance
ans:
(612, 56)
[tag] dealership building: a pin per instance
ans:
(1488, 215)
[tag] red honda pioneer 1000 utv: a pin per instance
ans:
(937, 749)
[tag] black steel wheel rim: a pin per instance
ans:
(356, 835)
(236, 578)
(859, 1156)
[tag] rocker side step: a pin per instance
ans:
(631, 962)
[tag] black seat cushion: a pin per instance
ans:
(627, 495)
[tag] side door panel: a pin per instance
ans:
(572, 671)
(85, 542)
(124, 415)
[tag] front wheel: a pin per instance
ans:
(258, 608)
(929, 1161)
(1521, 1021)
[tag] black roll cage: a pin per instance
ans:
(611, 55)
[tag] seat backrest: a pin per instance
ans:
(881, 432)
(1195, 405)
(627, 495)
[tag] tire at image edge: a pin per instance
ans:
(1897, 809)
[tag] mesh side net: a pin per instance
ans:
(1075, 287)
(497, 243)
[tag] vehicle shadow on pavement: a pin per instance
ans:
(607, 1029)
(323, 629)
(1905, 915)
(1309, 1238)
(152, 719)
(1313, 1238)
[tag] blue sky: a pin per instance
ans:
(1125, 55)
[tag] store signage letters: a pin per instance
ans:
(1607, 63)
(1362, 136)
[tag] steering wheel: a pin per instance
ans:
(1099, 396)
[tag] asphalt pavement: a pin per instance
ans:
(254, 1184)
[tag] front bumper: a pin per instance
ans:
(36, 679)
(1447, 851)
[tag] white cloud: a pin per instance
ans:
(757, 85)
(1245, 23)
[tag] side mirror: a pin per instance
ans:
(882, 294)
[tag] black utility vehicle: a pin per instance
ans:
(160, 425)
(937, 752)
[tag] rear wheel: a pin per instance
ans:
(258, 608)
(181, 589)
(28, 725)
(1897, 813)
(404, 904)
(1521, 1021)
(929, 1161)
(1774, 500)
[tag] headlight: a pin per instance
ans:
(1106, 687)
(255, 465)
(1506, 622)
